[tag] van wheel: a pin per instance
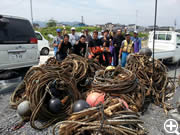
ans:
(45, 51)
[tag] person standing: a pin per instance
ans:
(63, 48)
(73, 37)
(118, 39)
(88, 36)
(106, 41)
(80, 47)
(94, 46)
(137, 42)
(102, 34)
(57, 41)
(127, 47)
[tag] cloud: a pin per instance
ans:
(96, 11)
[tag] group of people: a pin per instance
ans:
(109, 49)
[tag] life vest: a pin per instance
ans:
(96, 49)
(128, 47)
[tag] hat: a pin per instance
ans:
(58, 30)
(86, 30)
(73, 28)
(135, 32)
(102, 31)
(119, 30)
(127, 34)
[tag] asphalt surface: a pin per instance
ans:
(153, 118)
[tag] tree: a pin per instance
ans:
(51, 23)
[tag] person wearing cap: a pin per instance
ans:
(125, 30)
(102, 34)
(57, 41)
(118, 39)
(73, 37)
(137, 42)
(127, 47)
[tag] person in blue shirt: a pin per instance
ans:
(57, 41)
(137, 42)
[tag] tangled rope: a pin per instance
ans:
(36, 87)
(108, 119)
(158, 87)
(121, 83)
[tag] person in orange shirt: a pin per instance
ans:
(95, 46)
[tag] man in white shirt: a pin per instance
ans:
(73, 37)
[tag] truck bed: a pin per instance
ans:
(163, 54)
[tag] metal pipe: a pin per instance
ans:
(155, 18)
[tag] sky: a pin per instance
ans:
(139, 12)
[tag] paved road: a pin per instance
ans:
(44, 58)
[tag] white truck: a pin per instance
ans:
(167, 45)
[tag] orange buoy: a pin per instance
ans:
(95, 98)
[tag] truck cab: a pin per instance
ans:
(167, 45)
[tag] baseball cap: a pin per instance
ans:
(135, 32)
(127, 34)
(73, 28)
(58, 30)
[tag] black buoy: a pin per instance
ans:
(146, 51)
(80, 105)
(54, 91)
(55, 105)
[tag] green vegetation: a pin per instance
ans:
(52, 30)
(51, 23)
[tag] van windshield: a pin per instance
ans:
(16, 31)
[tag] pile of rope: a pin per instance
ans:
(111, 118)
(121, 83)
(36, 87)
(158, 87)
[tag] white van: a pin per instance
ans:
(18, 43)
(43, 44)
(167, 45)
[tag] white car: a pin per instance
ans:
(43, 44)
(167, 45)
(18, 43)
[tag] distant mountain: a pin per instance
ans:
(75, 23)
(70, 23)
(41, 23)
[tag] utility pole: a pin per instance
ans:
(155, 19)
(31, 11)
(136, 20)
(175, 23)
(82, 19)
